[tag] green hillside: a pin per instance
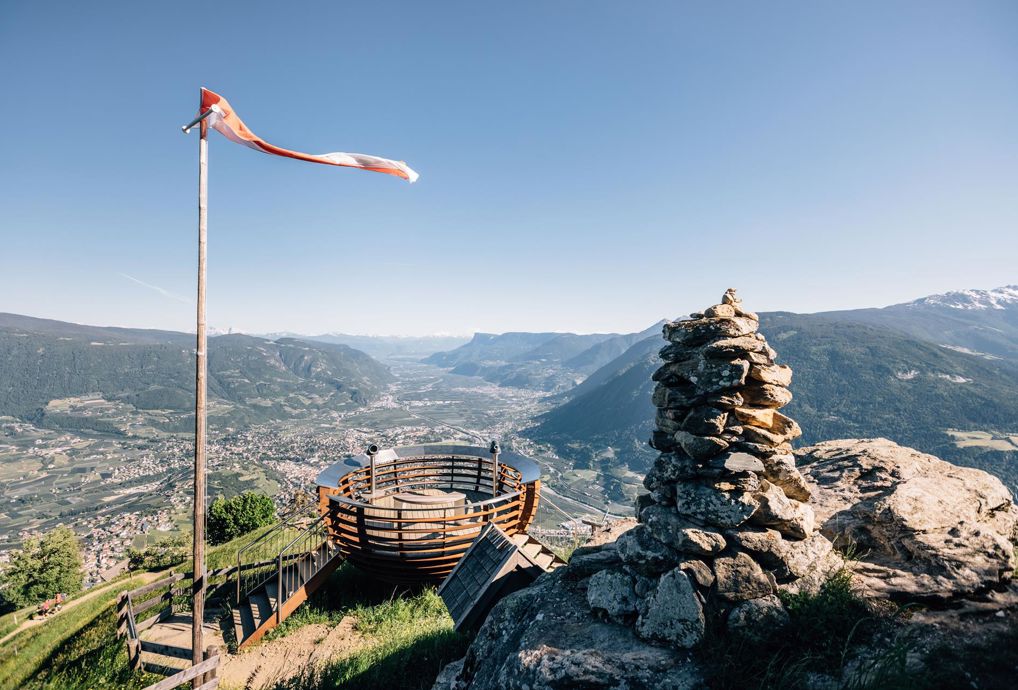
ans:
(851, 380)
(251, 379)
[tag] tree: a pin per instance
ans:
(43, 567)
(163, 554)
(229, 518)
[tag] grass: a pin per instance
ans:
(823, 631)
(402, 628)
(78, 647)
(42, 654)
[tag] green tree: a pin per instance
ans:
(163, 554)
(43, 567)
(229, 518)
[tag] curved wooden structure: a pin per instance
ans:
(428, 505)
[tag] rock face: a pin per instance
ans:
(547, 636)
(924, 528)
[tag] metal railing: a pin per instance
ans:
(301, 560)
(256, 562)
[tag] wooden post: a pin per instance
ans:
(212, 651)
(198, 585)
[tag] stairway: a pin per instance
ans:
(299, 572)
(537, 552)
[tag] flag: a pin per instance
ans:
(225, 121)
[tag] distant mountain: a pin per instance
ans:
(392, 346)
(979, 321)
(553, 362)
(523, 360)
(250, 379)
(851, 380)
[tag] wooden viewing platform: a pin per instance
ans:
(406, 515)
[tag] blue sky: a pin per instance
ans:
(585, 166)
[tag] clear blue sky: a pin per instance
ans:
(585, 166)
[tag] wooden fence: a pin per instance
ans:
(132, 604)
(204, 675)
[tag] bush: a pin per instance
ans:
(230, 518)
(822, 632)
(163, 554)
(42, 568)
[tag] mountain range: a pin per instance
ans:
(553, 362)
(249, 379)
(938, 374)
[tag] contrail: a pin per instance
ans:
(162, 291)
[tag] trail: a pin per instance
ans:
(141, 579)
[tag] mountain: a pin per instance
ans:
(554, 362)
(249, 379)
(851, 380)
(980, 321)
(525, 360)
(384, 346)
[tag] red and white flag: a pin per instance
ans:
(225, 121)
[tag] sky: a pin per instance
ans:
(585, 166)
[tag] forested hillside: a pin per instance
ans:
(250, 379)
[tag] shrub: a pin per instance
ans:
(229, 518)
(165, 553)
(42, 568)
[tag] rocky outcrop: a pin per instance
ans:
(920, 527)
(560, 633)
(732, 520)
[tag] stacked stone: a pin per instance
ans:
(726, 520)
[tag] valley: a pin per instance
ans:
(102, 442)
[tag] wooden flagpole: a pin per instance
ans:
(198, 587)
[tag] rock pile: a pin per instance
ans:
(726, 520)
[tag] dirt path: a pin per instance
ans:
(140, 579)
(283, 658)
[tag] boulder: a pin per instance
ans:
(714, 376)
(700, 447)
(545, 637)
(719, 508)
(923, 528)
(778, 374)
(756, 619)
(668, 527)
(669, 468)
(788, 516)
(739, 577)
(672, 613)
(697, 331)
(781, 471)
(766, 395)
(704, 420)
(789, 559)
(612, 592)
(640, 550)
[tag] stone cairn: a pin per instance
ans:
(726, 525)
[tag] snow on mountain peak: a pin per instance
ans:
(997, 298)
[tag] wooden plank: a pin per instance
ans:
(185, 675)
(151, 603)
(211, 685)
(165, 649)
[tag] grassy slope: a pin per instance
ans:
(404, 629)
(78, 648)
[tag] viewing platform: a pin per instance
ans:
(417, 513)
